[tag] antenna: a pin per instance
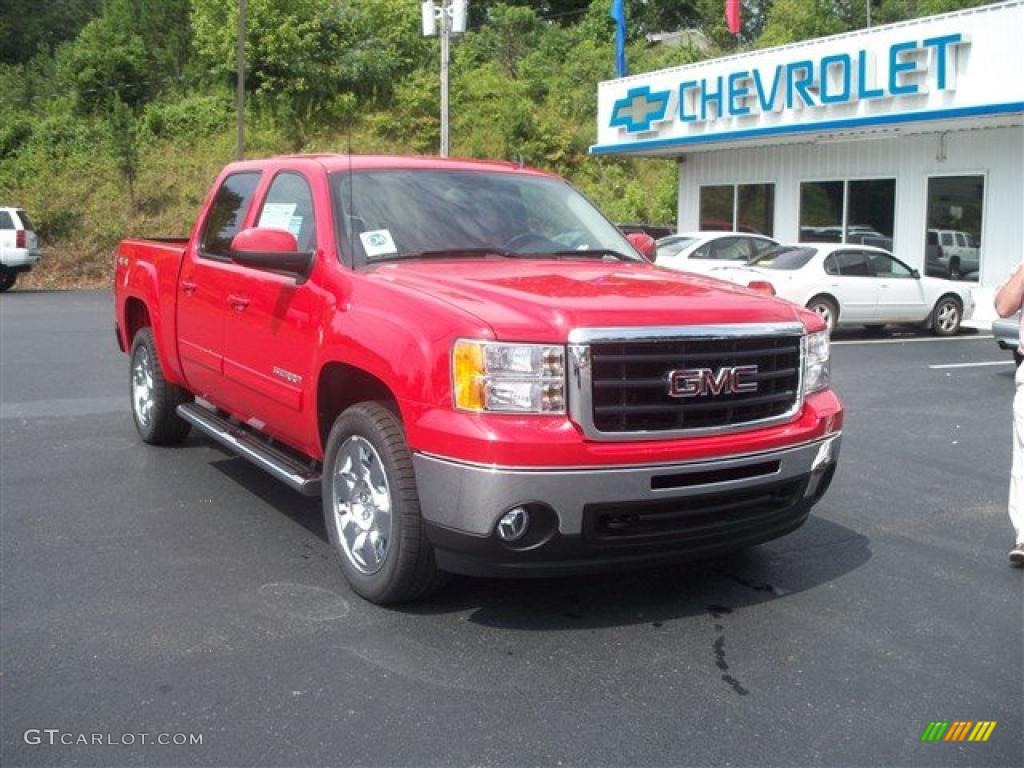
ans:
(349, 218)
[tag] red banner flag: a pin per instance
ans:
(732, 15)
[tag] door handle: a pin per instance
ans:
(188, 287)
(238, 303)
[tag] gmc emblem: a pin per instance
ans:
(698, 382)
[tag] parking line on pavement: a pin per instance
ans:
(971, 365)
(907, 341)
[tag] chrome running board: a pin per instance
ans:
(249, 445)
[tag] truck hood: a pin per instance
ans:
(543, 300)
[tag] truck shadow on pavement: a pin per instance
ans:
(814, 555)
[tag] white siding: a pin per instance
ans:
(997, 153)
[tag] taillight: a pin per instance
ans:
(19, 238)
(762, 286)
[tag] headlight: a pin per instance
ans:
(508, 378)
(817, 367)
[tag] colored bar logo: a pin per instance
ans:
(958, 730)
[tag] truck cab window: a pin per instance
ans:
(227, 214)
(289, 206)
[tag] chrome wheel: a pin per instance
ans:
(142, 386)
(947, 317)
(361, 501)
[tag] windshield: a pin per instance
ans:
(398, 214)
(784, 257)
(670, 246)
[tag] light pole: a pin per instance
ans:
(240, 80)
(452, 17)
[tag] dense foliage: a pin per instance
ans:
(115, 115)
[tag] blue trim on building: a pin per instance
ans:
(826, 125)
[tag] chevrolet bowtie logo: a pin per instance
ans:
(639, 108)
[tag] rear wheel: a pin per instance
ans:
(7, 279)
(154, 399)
(946, 316)
(826, 309)
(372, 510)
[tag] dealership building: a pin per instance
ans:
(908, 136)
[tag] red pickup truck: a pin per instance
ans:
(476, 371)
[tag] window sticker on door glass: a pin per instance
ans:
(378, 243)
(278, 216)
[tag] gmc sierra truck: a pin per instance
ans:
(475, 370)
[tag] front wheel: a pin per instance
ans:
(371, 508)
(154, 399)
(7, 279)
(946, 317)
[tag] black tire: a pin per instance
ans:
(875, 329)
(160, 423)
(827, 308)
(407, 569)
(954, 269)
(947, 316)
(8, 277)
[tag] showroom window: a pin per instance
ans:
(859, 211)
(953, 236)
(738, 208)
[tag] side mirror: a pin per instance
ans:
(643, 243)
(916, 273)
(275, 250)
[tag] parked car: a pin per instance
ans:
(475, 370)
(954, 252)
(703, 251)
(1007, 334)
(19, 246)
(857, 285)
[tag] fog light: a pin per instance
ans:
(513, 524)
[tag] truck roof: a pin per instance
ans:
(337, 162)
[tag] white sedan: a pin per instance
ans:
(850, 284)
(704, 251)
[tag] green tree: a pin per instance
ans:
(105, 63)
(124, 143)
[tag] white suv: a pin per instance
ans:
(956, 254)
(19, 247)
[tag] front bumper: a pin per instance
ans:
(596, 518)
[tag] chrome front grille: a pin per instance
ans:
(620, 379)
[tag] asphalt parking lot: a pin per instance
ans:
(166, 591)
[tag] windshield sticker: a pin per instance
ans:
(278, 216)
(378, 243)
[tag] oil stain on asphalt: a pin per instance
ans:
(717, 612)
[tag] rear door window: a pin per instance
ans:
(26, 223)
(6, 222)
(853, 264)
(227, 213)
(947, 238)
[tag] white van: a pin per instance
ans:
(19, 246)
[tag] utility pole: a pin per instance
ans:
(445, 56)
(867, 4)
(452, 16)
(240, 80)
